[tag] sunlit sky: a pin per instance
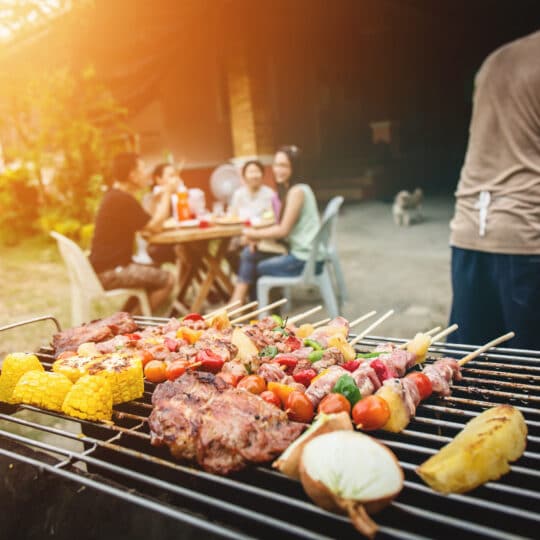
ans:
(18, 15)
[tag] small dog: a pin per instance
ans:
(407, 207)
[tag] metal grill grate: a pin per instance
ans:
(260, 503)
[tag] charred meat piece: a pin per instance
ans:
(96, 331)
(441, 373)
(201, 418)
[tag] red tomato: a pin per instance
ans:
(175, 369)
(270, 397)
(299, 407)
(253, 384)
(425, 388)
(335, 403)
(145, 356)
(210, 361)
(155, 371)
(351, 365)
(133, 337)
(193, 317)
(229, 378)
(371, 413)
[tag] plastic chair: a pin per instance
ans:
(308, 276)
(85, 285)
(332, 208)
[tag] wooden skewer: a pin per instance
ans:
(320, 323)
(485, 347)
(257, 311)
(363, 334)
(362, 318)
(307, 313)
(224, 308)
(243, 308)
(428, 333)
(444, 333)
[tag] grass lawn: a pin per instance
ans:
(34, 282)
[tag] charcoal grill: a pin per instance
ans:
(119, 462)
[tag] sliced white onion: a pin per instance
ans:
(345, 470)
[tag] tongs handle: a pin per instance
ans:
(30, 321)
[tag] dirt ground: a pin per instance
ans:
(390, 267)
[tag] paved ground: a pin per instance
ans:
(386, 266)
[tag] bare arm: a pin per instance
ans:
(161, 213)
(291, 213)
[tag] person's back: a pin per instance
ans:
(503, 155)
(495, 233)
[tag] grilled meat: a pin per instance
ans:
(199, 417)
(441, 374)
(96, 331)
(324, 385)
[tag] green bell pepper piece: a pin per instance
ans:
(315, 356)
(278, 320)
(313, 344)
(368, 355)
(346, 386)
(270, 351)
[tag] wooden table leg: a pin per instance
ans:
(213, 271)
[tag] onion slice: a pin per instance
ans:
(289, 462)
(349, 472)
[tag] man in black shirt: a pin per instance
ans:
(119, 217)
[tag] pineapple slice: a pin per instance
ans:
(478, 453)
(399, 414)
(419, 346)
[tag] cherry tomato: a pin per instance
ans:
(371, 413)
(146, 356)
(66, 354)
(193, 317)
(299, 407)
(334, 403)
(425, 388)
(229, 378)
(253, 384)
(175, 369)
(155, 371)
(270, 397)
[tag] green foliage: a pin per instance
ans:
(19, 202)
(67, 122)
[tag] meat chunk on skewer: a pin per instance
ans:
(441, 374)
(324, 384)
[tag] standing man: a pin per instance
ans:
(119, 217)
(495, 233)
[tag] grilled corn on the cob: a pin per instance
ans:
(124, 373)
(15, 365)
(73, 367)
(90, 398)
(42, 389)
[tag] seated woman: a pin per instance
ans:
(163, 174)
(253, 200)
(119, 217)
(298, 225)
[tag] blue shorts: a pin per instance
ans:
(493, 294)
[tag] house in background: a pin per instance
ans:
(376, 92)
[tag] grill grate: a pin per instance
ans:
(260, 502)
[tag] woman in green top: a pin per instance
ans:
(298, 224)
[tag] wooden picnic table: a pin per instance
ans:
(198, 260)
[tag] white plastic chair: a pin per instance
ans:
(85, 285)
(332, 209)
(308, 276)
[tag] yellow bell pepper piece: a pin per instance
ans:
(305, 331)
(323, 372)
(190, 335)
(281, 390)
